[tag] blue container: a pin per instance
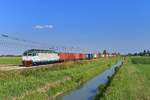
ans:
(89, 56)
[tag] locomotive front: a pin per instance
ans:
(37, 57)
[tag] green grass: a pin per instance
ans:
(132, 82)
(45, 83)
(141, 60)
(10, 60)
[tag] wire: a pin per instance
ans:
(14, 45)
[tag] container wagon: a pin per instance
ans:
(71, 56)
(89, 56)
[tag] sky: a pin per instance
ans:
(114, 25)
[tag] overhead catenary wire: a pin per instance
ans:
(14, 45)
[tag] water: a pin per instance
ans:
(89, 89)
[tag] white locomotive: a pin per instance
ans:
(35, 56)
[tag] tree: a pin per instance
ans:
(104, 52)
(136, 54)
(144, 52)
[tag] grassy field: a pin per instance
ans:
(140, 60)
(45, 83)
(10, 60)
(132, 82)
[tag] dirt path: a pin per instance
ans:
(8, 67)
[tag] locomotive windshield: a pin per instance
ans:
(34, 52)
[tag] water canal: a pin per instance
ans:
(88, 90)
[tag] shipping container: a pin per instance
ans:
(94, 56)
(83, 56)
(89, 56)
(71, 56)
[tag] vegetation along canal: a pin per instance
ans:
(88, 90)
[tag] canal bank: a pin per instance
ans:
(88, 90)
(48, 82)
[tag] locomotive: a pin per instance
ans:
(38, 57)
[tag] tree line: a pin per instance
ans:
(143, 53)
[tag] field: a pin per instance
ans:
(141, 60)
(10, 60)
(48, 82)
(132, 82)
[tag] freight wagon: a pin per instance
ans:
(89, 56)
(71, 56)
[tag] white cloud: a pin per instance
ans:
(38, 27)
(49, 26)
(43, 27)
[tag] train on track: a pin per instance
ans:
(39, 57)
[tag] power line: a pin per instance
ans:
(14, 44)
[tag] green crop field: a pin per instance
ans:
(48, 82)
(10, 60)
(132, 82)
(140, 60)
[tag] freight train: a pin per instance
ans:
(38, 57)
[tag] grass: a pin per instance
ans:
(103, 87)
(132, 82)
(48, 82)
(10, 60)
(141, 60)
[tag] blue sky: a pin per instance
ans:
(115, 25)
